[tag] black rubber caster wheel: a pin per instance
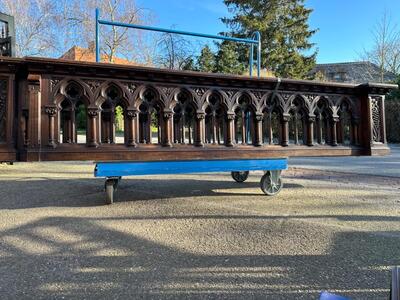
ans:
(271, 183)
(240, 176)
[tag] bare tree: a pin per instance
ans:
(34, 25)
(393, 61)
(385, 52)
(174, 51)
(129, 43)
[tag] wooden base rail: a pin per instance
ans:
(63, 110)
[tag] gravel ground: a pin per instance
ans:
(195, 236)
(387, 165)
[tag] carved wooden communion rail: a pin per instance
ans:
(62, 110)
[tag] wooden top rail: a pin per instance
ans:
(54, 109)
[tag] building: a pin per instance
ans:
(351, 72)
(88, 54)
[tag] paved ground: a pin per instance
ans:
(198, 236)
(374, 165)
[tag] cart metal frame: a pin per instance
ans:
(271, 183)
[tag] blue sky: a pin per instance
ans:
(344, 25)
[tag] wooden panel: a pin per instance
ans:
(7, 102)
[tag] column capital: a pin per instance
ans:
(132, 113)
(259, 117)
(51, 110)
(167, 114)
(230, 116)
(285, 117)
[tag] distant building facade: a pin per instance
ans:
(351, 72)
(88, 54)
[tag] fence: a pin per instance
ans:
(63, 110)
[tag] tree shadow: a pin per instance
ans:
(90, 258)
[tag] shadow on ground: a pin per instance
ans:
(150, 269)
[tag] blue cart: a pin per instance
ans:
(271, 183)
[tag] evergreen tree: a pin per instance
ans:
(206, 60)
(395, 94)
(227, 59)
(189, 65)
(285, 34)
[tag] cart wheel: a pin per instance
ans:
(271, 183)
(110, 186)
(240, 176)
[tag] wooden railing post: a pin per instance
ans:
(285, 130)
(258, 129)
(166, 129)
(200, 129)
(318, 129)
(334, 122)
(93, 113)
(310, 130)
(132, 115)
(355, 128)
(51, 111)
(230, 129)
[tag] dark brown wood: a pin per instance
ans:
(310, 131)
(170, 115)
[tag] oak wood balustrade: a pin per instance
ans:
(62, 110)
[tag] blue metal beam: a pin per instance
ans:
(97, 35)
(119, 169)
(255, 40)
(189, 33)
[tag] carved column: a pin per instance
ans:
(354, 127)
(333, 139)
(318, 129)
(51, 111)
(258, 130)
(72, 134)
(230, 129)
(200, 129)
(92, 112)
(244, 128)
(310, 130)
(112, 126)
(166, 129)
(148, 135)
(285, 130)
(340, 131)
(132, 116)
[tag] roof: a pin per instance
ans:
(353, 72)
(88, 54)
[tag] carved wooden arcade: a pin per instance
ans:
(62, 110)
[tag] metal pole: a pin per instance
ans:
(258, 38)
(251, 59)
(97, 36)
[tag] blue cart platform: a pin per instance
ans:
(271, 182)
